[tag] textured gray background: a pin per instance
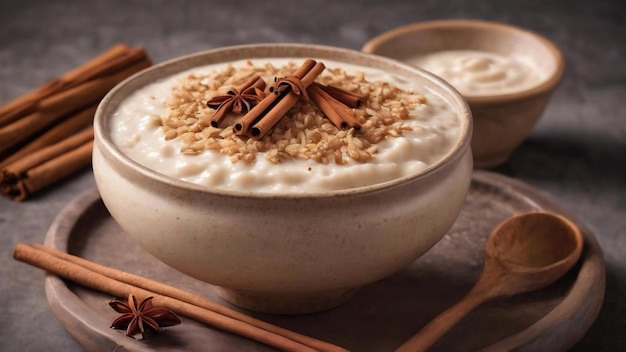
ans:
(576, 153)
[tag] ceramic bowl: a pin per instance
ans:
(502, 121)
(282, 253)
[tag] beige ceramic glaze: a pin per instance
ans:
(501, 121)
(282, 253)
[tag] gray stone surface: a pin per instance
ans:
(576, 153)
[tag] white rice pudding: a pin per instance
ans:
(425, 133)
(476, 73)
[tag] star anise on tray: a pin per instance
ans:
(137, 318)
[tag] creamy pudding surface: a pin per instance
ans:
(404, 128)
(479, 73)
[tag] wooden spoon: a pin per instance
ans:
(526, 252)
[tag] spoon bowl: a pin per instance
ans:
(527, 252)
(530, 251)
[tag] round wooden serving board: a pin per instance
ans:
(382, 315)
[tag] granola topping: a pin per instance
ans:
(305, 133)
(403, 129)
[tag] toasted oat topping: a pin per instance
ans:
(304, 133)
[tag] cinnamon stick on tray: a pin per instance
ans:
(121, 284)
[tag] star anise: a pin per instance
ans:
(238, 99)
(242, 101)
(135, 319)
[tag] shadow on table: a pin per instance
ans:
(607, 332)
(593, 161)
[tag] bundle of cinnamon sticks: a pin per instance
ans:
(332, 101)
(46, 134)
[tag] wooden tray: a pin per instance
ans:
(382, 315)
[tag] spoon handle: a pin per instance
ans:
(426, 337)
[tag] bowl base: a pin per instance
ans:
(286, 303)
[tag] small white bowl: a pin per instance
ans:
(282, 253)
(502, 121)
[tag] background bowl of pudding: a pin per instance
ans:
(506, 74)
(273, 239)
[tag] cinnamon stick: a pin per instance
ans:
(57, 133)
(57, 106)
(221, 113)
(350, 99)
(243, 126)
(272, 117)
(111, 60)
(324, 105)
(90, 91)
(119, 59)
(305, 68)
(185, 296)
(84, 276)
(265, 105)
(272, 108)
(335, 110)
(49, 165)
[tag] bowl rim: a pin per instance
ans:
(546, 85)
(104, 141)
